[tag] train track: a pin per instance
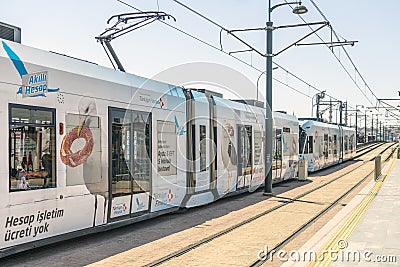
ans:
(365, 146)
(287, 202)
(364, 150)
(323, 212)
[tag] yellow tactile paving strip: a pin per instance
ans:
(347, 228)
(240, 246)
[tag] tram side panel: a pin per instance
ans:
(75, 196)
(169, 153)
(258, 173)
(226, 147)
(36, 202)
(286, 141)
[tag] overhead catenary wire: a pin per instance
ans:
(240, 60)
(337, 58)
(347, 55)
(250, 65)
(228, 31)
(356, 70)
(227, 53)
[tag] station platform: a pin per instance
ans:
(365, 233)
(378, 234)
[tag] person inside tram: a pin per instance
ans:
(47, 165)
(22, 182)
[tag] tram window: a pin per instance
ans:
(335, 151)
(346, 143)
(310, 145)
(326, 145)
(249, 150)
(32, 148)
(351, 141)
(203, 146)
(302, 140)
(278, 154)
(245, 149)
(306, 148)
(141, 169)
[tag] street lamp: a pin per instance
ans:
(268, 72)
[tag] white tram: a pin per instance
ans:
(88, 148)
(323, 144)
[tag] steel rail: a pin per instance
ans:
(230, 229)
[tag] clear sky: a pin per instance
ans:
(69, 27)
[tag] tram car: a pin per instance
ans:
(323, 144)
(285, 146)
(90, 148)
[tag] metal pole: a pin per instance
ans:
(372, 127)
(383, 130)
(377, 127)
(365, 125)
(268, 107)
(356, 129)
(312, 106)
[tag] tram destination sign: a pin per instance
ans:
(34, 84)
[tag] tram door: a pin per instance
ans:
(245, 156)
(277, 155)
(130, 163)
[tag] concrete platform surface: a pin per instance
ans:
(377, 237)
